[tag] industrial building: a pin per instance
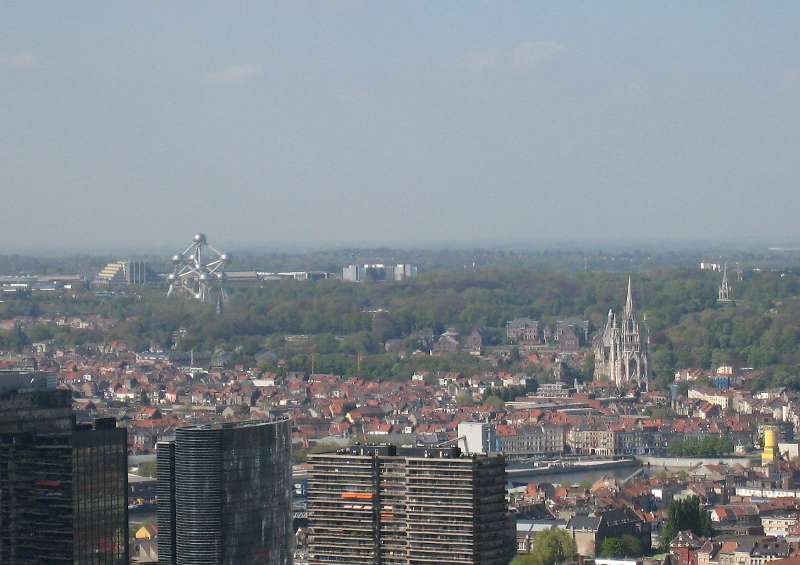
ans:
(27, 284)
(224, 495)
(63, 487)
(407, 506)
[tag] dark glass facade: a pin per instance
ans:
(63, 488)
(35, 478)
(226, 495)
(100, 487)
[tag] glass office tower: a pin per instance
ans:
(225, 498)
(63, 488)
(100, 493)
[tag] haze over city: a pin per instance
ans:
(399, 283)
(326, 123)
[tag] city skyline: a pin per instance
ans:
(322, 124)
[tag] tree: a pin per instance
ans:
(147, 469)
(494, 402)
(709, 446)
(464, 399)
(611, 547)
(549, 547)
(627, 546)
(631, 546)
(383, 327)
(685, 515)
(587, 369)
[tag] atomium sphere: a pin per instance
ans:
(197, 273)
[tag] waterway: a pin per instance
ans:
(576, 477)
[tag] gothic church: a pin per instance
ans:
(620, 352)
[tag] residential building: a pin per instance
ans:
(590, 531)
(532, 441)
(527, 530)
(447, 343)
(779, 524)
(474, 342)
(711, 395)
(683, 549)
(523, 331)
(555, 390)
(592, 441)
(407, 505)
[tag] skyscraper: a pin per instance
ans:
(100, 493)
(224, 495)
(63, 488)
(408, 506)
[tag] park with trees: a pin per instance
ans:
(343, 326)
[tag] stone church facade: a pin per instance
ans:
(621, 350)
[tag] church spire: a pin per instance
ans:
(629, 300)
(724, 288)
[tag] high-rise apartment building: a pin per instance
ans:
(224, 495)
(408, 506)
(63, 487)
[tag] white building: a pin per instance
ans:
(476, 437)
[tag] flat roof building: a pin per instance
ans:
(63, 487)
(408, 506)
(224, 495)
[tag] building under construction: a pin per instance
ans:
(408, 505)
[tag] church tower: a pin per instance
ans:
(724, 288)
(621, 351)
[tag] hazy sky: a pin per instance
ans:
(139, 123)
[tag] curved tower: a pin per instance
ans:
(230, 487)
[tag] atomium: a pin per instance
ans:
(199, 272)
